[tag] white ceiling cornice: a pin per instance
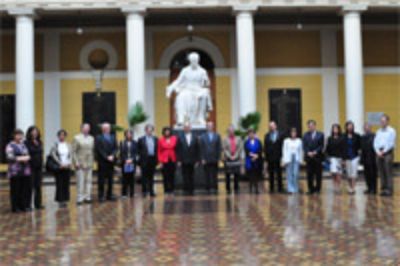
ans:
(159, 4)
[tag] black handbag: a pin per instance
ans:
(51, 165)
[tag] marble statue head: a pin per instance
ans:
(194, 59)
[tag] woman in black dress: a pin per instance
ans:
(35, 147)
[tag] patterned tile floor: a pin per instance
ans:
(207, 230)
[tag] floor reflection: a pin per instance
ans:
(219, 229)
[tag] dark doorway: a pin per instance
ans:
(7, 122)
(98, 108)
(180, 61)
(285, 108)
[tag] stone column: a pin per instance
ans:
(354, 64)
(135, 51)
(246, 58)
(24, 72)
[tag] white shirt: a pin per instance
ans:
(385, 139)
(63, 153)
(188, 138)
(292, 147)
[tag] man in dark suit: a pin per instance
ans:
(106, 149)
(210, 154)
(147, 146)
(273, 141)
(188, 157)
(368, 159)
(313, 146)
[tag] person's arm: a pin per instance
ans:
(159, 149)
(301, 153)
(225, 149)
(75, 148)
(100, 149)
(54, 154)
(284, 152)
(391, 141)
(376, 142)
(266, 146)
(218, 147)
(321, 142)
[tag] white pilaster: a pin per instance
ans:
(246, 58)
(135, 39)
(330, 89)
(354, 64)
(25, 72)
(52, 88)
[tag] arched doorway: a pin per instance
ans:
(178, 62)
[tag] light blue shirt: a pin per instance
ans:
(150, 145)
(385, 139)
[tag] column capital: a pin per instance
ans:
(354, 8)
(245, 8)
(21, 12)
(134, 10)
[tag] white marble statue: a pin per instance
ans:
(193, 99)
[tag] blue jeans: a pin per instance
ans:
(292, 176)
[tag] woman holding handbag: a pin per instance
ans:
(61, 153)
(128, 156)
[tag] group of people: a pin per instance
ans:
(187, 151)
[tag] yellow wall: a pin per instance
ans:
(161, 104)
(222, 98)
(288, 48)
(382, 94)
(71, 45)
(311, 96)
(380, 47)
(71, 101)
(7, 52)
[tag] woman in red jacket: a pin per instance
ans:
(167, 158)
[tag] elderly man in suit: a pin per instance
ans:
(147, 147)
(313, 146)
(188, 157)
(106, 150)
(210, 154)
(273, 142)
(83, 159)
(232, 147)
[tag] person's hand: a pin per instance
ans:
(77, 166)
(232, 158)
(179, 164)
(203, 162)
(110, 158)
(310, 154)
(128, 161)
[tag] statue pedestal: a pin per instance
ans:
(199, 177)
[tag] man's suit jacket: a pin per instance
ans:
(227, 151)
(188, 153)
(83, 151)
(105, 148)
(210, 151)
(143, 152)
(315, 144)
(273, 149)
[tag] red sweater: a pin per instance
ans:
(166, 149)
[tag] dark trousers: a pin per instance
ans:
(148, 170)
(17, 198)
(211, 172)
(385, 171)
(275, 171)
(235, 181)
(187, 174)
(106, 174)
(371, 176)
(314, 176)
(37, 187)
(128, 184)
(168, 172)
(62, 185)
(254, 176)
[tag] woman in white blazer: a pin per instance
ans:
(292, 156)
